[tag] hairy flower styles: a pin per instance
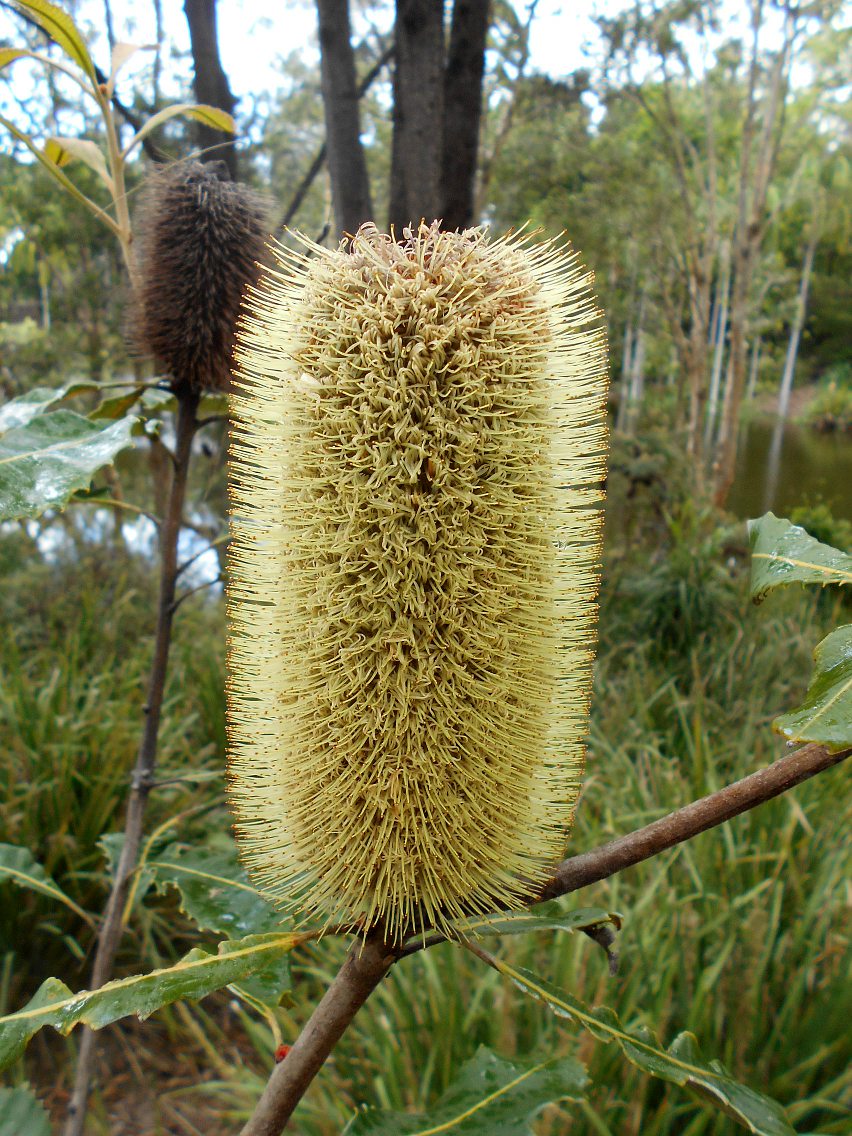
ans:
(199, 239)
(416, 468)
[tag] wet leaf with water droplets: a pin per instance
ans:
(826, 714)
(46, 461)
(489, 1097)
(217, 894)
(784, 553)
(197, 974)
(681, 1064)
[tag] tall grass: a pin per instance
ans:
(73, 670)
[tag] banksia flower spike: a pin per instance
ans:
(416, 465)
(198, 242)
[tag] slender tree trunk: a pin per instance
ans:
(696, 364)
(418, 113)
(633, 373)
(347, 166)
(798, 324)
(624, 390)
(109, 25)
(754, 367)
(721, 334)
(158, 47)
(210, 83)
(463, 111)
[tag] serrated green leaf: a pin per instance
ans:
(681, 1064)
(196, 975)
(62, 30)
(22, 1114)
(489, 1097)
(826, 714)
(21, 410)
(209, 115)
(45, 462)
(550, 916)
(215, 891)
(217, 894)
(20, 867)
(783, 553)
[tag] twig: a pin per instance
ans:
(625, 851)
(365, 967)
(192, 591)
(142, 778)
(222, 539)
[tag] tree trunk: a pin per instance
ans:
(624, 390)
(418, 92)
(210, 82)
(347, 166)
(754, 368)
(721, 334)
(798, 324)
(463, 111)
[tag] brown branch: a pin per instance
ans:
(367, 964)
(625, 851)
(112, 927)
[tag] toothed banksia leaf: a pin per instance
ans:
(416, 464)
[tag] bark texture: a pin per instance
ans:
(463, 112)
(418, 113)
(347, 167)
(210, 83)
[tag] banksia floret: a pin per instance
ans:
(416, 466)
(198, 241)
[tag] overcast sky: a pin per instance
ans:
(255, 34)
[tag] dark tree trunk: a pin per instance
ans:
(463, 111)
(347, 167)
(210, 83)
(418, 90)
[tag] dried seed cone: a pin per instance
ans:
(199, 239)
(415, 479)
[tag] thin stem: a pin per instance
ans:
(116, 169)
(365, 966)
(193, 591)
(112, 926)
(223, 539)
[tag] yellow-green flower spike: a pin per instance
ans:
(416, 465)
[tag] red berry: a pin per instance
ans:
(281, 1052)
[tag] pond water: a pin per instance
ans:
(801, 467)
